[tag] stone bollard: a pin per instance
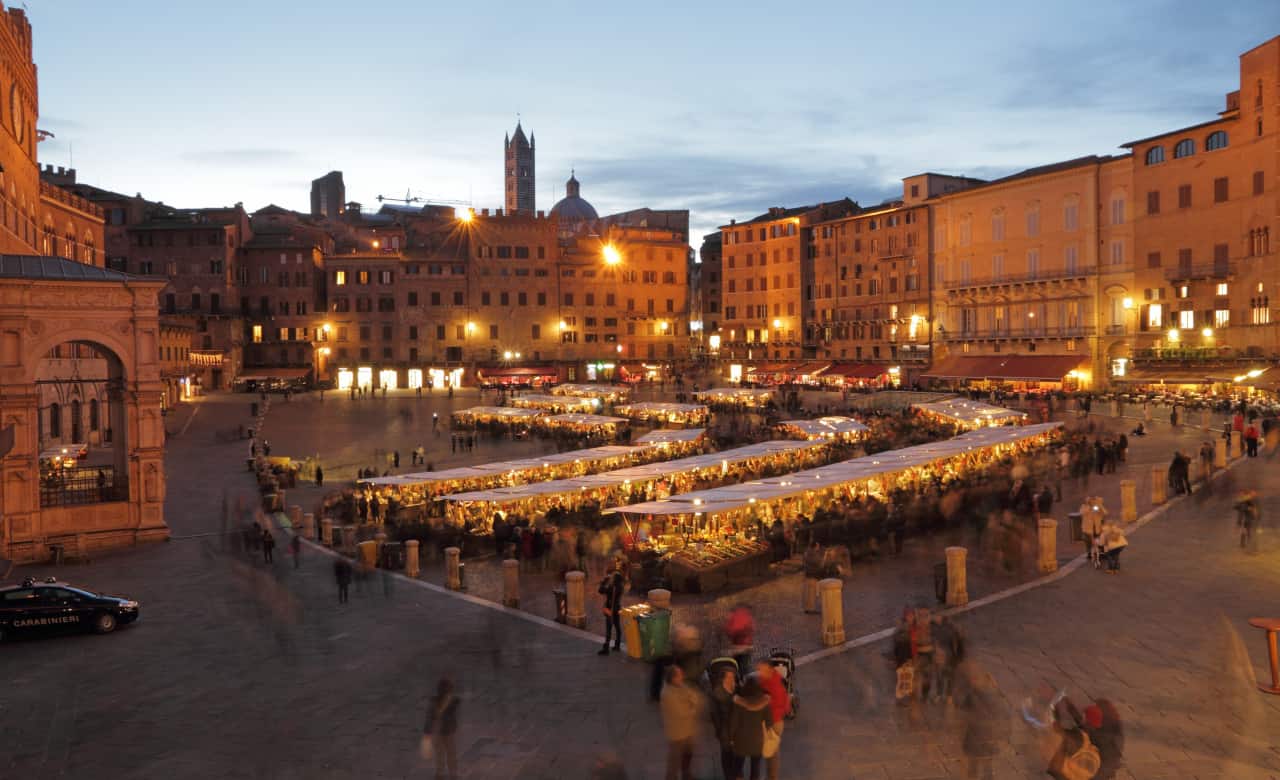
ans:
(368, 553)
(1220, 453)
(575, 588)
(452, 574)
(1048, 529)
(1146, 412)
(411, 558)
(809, 596)
(832, 612)
(511, 583)
(1115, 408)
(659, 598)
(1206, 417)
(957, 582)
(1237, 444)
(1158, 481)
(1128, 501)
(326, 531)
(309, 525)
(295, 517)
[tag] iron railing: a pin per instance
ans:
(82, 485)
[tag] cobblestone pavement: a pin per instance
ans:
(242, 670)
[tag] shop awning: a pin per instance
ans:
(857, 370)
(771, 368)
(1030, 368)
(811, 368)
(262, 374)
(513, 371)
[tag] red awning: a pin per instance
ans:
(490, 373)
(1030, 368)
(771, 368)
(263, 374)
(811, 368)
(857, 370)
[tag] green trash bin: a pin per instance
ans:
(655, 633)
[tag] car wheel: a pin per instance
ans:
(104, 623)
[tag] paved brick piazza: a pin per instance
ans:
(241, 670)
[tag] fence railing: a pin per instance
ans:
(83, 485)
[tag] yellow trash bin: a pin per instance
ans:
(631, 629)
(368, 553)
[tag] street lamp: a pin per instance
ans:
(1207, 333)
(611, 255)
(471, 327)
(1175, 335)
(777, 324)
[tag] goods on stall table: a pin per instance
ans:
(970, 414)
(680, 414)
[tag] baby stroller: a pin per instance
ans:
(783, 662)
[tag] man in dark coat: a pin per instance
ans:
(611, 588)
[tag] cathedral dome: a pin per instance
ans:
(572, 207)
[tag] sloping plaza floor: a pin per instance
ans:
(241, 670)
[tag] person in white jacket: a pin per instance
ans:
(1113, 543)
(1093, 515)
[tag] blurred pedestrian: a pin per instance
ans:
(779, 708)
(750, 719)
(1106, 732)
(612, 587)
(723, 687)
(342, 575)
(295, 549)
(740, 630)
(983, 717)
(440, 730)
(268, 545)
(1113, 543)
(319, 475)
(682, 713)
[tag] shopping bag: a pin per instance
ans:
(906, 681)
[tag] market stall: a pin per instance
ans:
(722, 524)
(657, 412)
(684, 441)
(597, 425)
(637, 483)
(736, 397)
(607, 393)
(556, 404)
(970, 414)
(844, 429)
(487, 415)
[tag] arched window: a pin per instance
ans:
(1216, 140)
(1185, 148)
(55, 421)
(93, 414)
(1155, 155)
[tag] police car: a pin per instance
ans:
(49, 606)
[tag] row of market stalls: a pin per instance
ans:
(608, 394)
(475, 509)
(559, 465)
(1016, 372)
(539, 421)
(556, 404)
(818, 374)
(660, 413)
(703, 535)
(969, 414)
(736, 397)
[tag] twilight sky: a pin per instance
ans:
(724, 108)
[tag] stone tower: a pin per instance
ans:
(518, 152)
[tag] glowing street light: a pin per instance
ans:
(1127, 303)
(564, 325)
(471, 327)
(506, 355)
(1175, 335)
(611, 255)
(376, 243)
(777, 324)
(1207, 333)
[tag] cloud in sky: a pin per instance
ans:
(734, 108)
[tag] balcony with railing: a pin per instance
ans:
(979, 334)
(1030, 277)
(1189, 271)
(82, 485)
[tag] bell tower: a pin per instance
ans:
(518, 171)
